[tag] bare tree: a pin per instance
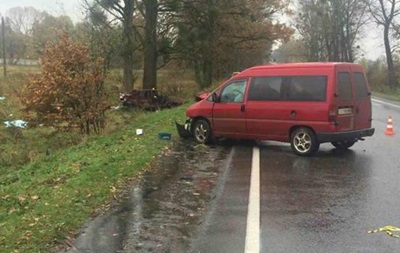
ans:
(384, 13)
(22, 19)
(136, 35)
(331, 28)
(122, 11)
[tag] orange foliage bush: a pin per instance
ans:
(69, 93)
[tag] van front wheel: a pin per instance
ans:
(343, 145)
(304, 142)
(202, 131)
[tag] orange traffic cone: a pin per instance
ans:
(389, 127)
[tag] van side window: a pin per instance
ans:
(343, 86)
(306, 88)
(265, 89)
(234, 92)
(361, 86)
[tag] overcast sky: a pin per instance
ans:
(72, 8)
(372, 43)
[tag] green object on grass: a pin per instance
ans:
(164, 136)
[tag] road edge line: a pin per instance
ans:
(384, 102)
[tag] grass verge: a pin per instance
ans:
(42, 202)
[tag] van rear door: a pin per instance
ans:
(344, 99)
(362, 112)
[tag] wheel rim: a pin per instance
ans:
(302, 142)
(201, 132)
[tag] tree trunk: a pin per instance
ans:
(389, 59)
(127, 53)
(207, 72)
(150, 45)
(198, 72)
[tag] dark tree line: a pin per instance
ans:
(208, 36)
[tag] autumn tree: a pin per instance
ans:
(384, 12)
(69, 92)
(330, 28)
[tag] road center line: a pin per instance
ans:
(253, 213)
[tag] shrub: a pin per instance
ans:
(69, 93)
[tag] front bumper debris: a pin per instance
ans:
(184, 130)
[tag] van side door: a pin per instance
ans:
(229, 116)
(344, 99)
(267, 113)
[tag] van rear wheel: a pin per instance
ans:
(343, 145)
(304, 142)
(202, 131)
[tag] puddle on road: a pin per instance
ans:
(162, 211)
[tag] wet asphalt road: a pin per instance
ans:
(196, 199)
(325, 203)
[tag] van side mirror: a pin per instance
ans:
(215, 97)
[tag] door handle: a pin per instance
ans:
(242, 108)
(293, 113)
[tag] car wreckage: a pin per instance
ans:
(147, 99)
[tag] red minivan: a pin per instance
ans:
(302, 103)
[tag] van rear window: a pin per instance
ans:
(344, 92)
(288, 88)
(361, 86)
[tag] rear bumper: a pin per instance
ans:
(351, 135)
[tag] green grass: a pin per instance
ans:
(51, 181)
(44, 201)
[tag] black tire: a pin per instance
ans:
(343, 145)
(202, 131)
(304, 142)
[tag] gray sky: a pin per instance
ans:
(72, 8)
(371, 44)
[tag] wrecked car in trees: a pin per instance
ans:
(147, 99)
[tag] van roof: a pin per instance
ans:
(294, 65)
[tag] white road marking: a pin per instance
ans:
(385, 103)
(253, 214)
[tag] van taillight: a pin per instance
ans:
(332, 116)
